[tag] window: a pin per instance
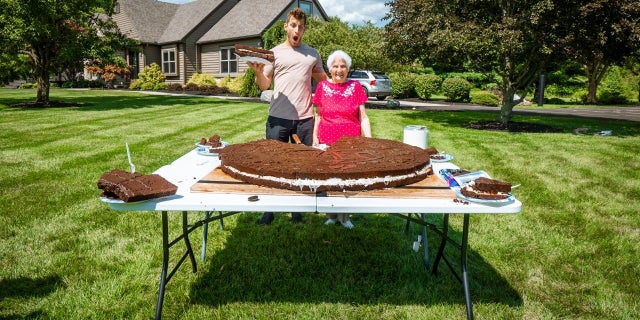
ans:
(169, 61)
(228, 62)
(307, 7)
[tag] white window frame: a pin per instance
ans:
(230, 62)
(169, 62)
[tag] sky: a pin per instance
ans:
(351, 11)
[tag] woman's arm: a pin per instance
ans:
(316, 122)
(364, 122)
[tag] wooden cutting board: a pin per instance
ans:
(219, 182)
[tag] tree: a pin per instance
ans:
(50, 32)
(513, 39)
(602, 34)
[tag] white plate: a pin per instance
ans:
(203, 150)
(447, 157)
(459, 194)
(463, 179)
(224, 144)
(206, 153)
(109, 200)
(252, 59)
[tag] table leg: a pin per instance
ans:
(443, 243)
(187, 242)
(425, 242)
(205, 232)
(463, 263)
(165, 263)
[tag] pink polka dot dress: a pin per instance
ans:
(338, 105)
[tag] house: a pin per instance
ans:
(199, 36)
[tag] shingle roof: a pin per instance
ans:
(155, 14)
(186, 18)
(248, 18)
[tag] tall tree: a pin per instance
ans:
(513, 39)
(602, 34)
(47, 31)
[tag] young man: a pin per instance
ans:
(290, 110)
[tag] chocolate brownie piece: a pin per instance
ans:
(491, 185)
(131, 187)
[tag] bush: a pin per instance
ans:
(249, 86)
(175, 87)
(478, 80)
(151, 78)
(456, 89)
(427, 85)
(191, 87)
(612, 89)
(28, 85)
(202, 79)
(485, 98)
(402, 84)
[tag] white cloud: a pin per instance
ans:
(357, 11)
(351, 11)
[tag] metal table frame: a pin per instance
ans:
(185, 171)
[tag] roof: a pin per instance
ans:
(157, 22)
(155, 14)
(188, 17)
(248, 18)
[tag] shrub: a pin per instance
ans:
(427, 85)
(612, 89)
(151, 78)
(191, 87)
(249, 86)
(456, 89)
(214, 89)
(28, 85)
(485, 98)
(478, 80)
(402, 84)
(202, 79)
(175, 87)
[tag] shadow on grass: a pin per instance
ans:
(128, 101)
(28, 287)
(313, 263)
(566, 123)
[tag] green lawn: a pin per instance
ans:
(572, 253)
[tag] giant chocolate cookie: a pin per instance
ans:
(352, 163)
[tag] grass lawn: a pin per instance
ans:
(572, 253)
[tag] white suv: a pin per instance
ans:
(375, 84)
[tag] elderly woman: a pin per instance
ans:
(340, 112)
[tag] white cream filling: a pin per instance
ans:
(313, 184)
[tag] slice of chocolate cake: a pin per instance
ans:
(486, 189)
(492, 185)
(132, 187)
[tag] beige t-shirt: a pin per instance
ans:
(292, 70)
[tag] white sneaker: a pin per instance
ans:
(330, 222)
(348, 224)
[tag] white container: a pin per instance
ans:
(416, 136)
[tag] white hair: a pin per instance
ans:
(339, 54)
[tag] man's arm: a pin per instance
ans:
(319, 76)
(264, 82)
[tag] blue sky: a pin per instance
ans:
(351, 11)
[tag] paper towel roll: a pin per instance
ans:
(416, 136)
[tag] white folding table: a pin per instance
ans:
(189, 169)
